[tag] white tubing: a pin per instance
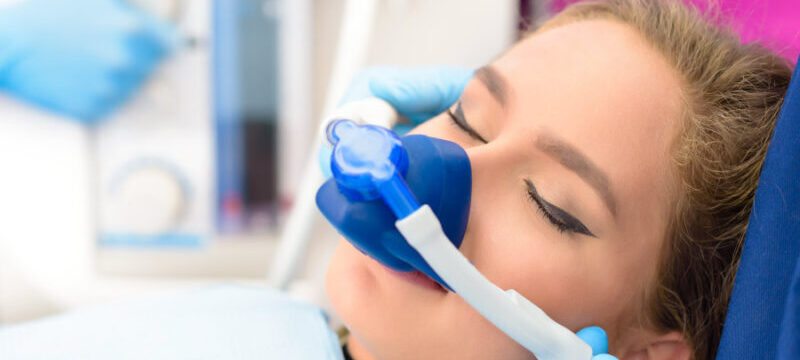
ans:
(510, 312)
(297, 231)
(355, 35)
(295, 80)
(354, 38)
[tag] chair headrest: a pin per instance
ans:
(760, 299)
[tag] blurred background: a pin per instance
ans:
(190, 180)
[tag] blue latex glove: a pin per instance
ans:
(598, 341)
(80, 58)
(418, 93)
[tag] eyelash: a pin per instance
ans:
(570, 224)
(471, 132)
(558, 224)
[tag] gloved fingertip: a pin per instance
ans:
(596, 338)
(453, 85)
(358, 88)
(408, 99)
(403, 129)
(387, 90)
(417, 119)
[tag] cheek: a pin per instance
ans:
(511, 244)
(528, 260)
(577, 284)
(579, 281)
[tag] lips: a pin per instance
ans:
(417, 278)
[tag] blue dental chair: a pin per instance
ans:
(763, 320)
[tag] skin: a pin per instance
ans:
(601, 89)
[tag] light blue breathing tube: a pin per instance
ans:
(387, 197)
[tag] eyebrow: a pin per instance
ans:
(494, 82)
(571, 158)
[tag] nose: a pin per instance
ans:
(438, 174)
(493, 179)
(491, 167)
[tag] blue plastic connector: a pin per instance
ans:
(369, 162)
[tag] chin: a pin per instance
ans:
(354, 292)
(394, 318)
(348, 282)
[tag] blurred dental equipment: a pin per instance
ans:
(82, 58)
(204, 194)
(190, 180)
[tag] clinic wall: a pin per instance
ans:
(418, 32)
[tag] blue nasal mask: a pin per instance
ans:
(405, 202)
(368, 160)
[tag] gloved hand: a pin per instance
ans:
(80, 58)
(418, 93)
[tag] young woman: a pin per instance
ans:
(615, 155)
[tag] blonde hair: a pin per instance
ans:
(732, 94)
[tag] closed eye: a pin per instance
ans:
(457, 117)
(560, 219)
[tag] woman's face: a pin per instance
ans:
(570, 198)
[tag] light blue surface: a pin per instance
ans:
(79, 58)
(221, 322)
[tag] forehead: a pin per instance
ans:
(601, 87)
